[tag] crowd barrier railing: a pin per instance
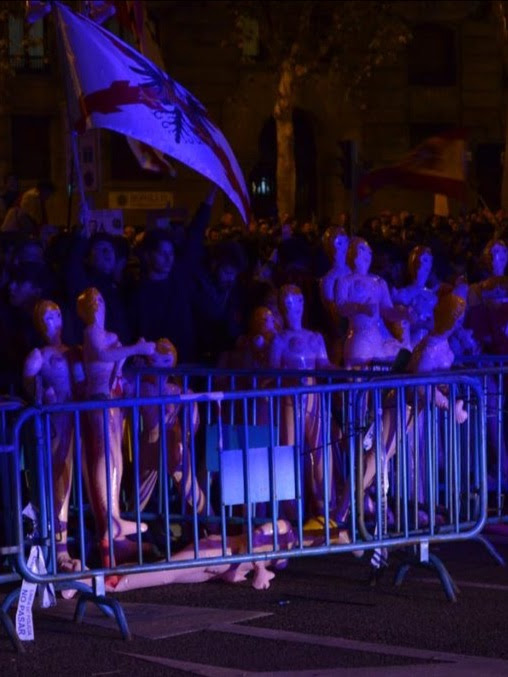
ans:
(492, 371)
(300, 469)
(9, 544)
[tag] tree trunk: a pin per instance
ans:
(499, 10)
(283, 114)
(504, 182)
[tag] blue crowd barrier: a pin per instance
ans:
(287, 465)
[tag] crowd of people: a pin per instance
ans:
(272, 295)
(203, 287)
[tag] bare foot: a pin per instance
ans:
(237, 574)
(344, 538)
(125, 528)
(262, 576)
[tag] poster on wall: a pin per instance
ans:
(104, 221)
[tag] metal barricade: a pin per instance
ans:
(280, 487)
(492, 371)
(9, 542)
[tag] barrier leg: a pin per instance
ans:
(451, 590)
(110, 607)
(103, 603)
(400, 574)
(434, 564)
(6, 621)
(491, 549)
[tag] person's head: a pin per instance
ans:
(229, 261)
(159, 253)
(102, 253)
(495, 256)
(262, 322)
(420, 263)
(11, 183)
(263, 228)
(27, 285)
(165, 355)
(287, 228)
(48, 320)
(227, 220)
(359, 255)
(448, 311)
(291, 302)
(29, 251)
(91, 306)
(46, 188)
(129, 233)
(213, 234)
(335, 243)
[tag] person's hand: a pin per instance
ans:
(49, 396)
(460, 412)
(145, 347)
(34, 362)
(440, 400)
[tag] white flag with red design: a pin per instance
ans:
(114, 87)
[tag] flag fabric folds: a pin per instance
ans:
(115, 87)
(437, 165)
(131, 14)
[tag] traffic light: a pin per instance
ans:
(345, 159)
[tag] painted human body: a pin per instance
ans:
(488, 301)
(296, 348)
(365, 300)
(335, 244)
(179, 457)
(487, 317)
(417, 298)
(433, 353)
(52, 374)
(262, 541)
(103, 358)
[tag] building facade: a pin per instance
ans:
(450, 75)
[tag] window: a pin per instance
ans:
(249, 30)
(262, 179)
(31, 143)
(432, 60)
(27, 45)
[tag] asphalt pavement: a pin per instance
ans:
(321, 616)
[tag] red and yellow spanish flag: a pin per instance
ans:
(437, 165)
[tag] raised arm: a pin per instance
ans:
(115, 353)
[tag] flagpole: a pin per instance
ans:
(71, 193)
(76, 166)
(354, 187)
